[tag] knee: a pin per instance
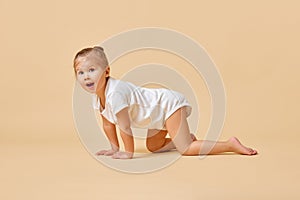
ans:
(151, 146)
(151, 149)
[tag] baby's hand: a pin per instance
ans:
(122, 155)
(106, 152)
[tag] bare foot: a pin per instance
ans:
(237, 147)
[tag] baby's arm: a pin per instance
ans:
(126, 134)
(111, 134)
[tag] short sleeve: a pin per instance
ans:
(118, 101)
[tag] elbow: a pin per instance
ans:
(108, 128)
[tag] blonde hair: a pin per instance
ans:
(99, 51)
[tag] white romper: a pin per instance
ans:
(148, 108)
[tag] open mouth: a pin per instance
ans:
(90, 84)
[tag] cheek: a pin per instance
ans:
(93, 75)
(80, 80)
(98, 76)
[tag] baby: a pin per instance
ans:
(160, 111)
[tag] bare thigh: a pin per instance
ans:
(178, 129)
(155, 139)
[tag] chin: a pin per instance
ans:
(90, 91)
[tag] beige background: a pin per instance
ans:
(255, 45)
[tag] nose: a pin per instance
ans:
(86, 76)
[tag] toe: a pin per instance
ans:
(253, 152)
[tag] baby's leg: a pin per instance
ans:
(157, 141)
(178, 129)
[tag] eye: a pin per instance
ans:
(79, 72)
(91, 69)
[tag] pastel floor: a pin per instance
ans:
(66, 171)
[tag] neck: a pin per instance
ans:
(101, 93)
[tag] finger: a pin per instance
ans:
(109, 153)
(102, 152)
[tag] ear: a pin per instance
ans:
(107, 71)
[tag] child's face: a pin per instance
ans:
(90, 74)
